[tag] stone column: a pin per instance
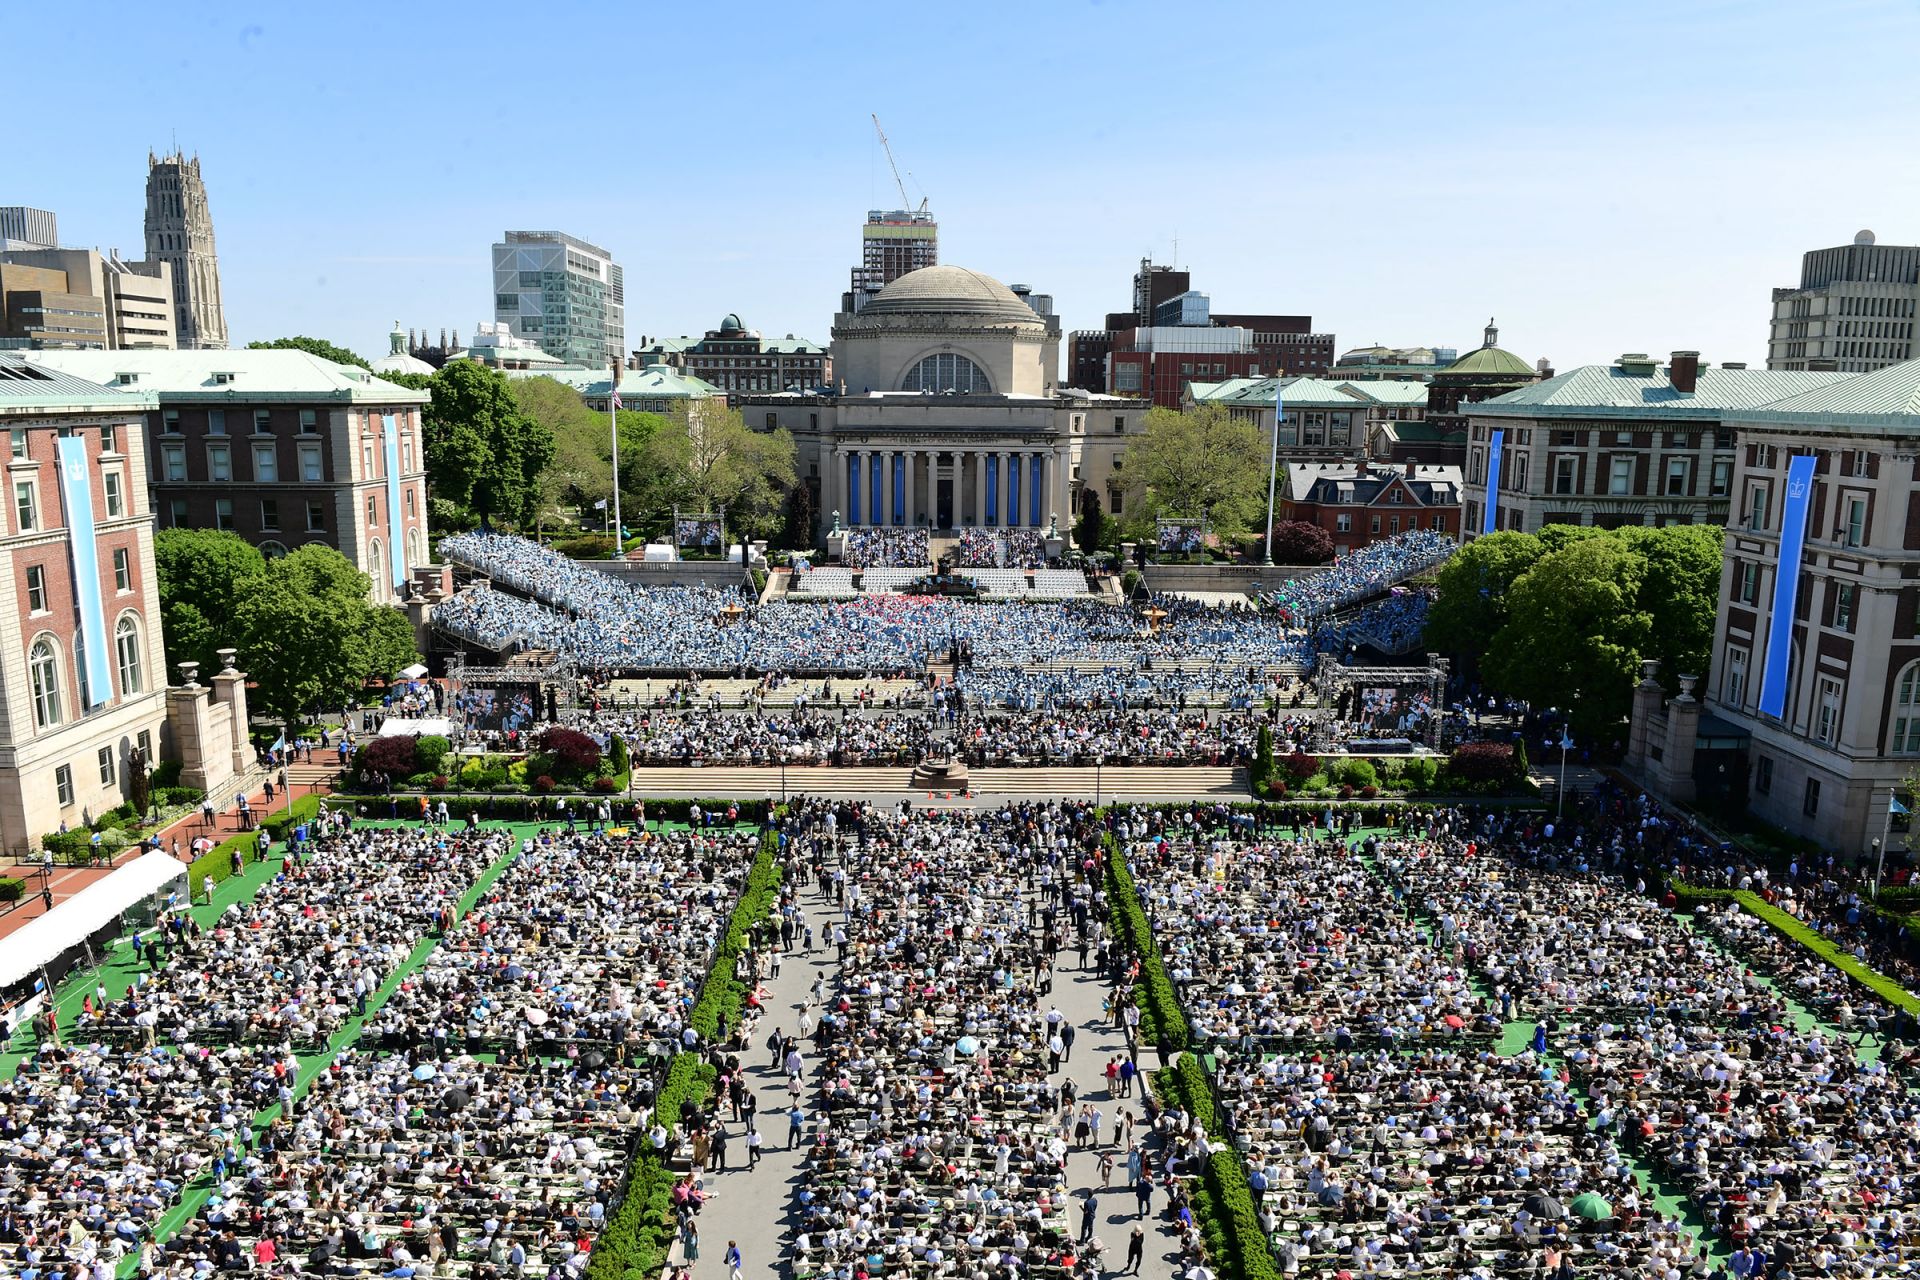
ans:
(913, 487)
(1646, 716)
(837, 490)
(230, 688)
(979, 457)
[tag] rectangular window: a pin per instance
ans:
(110, 438)
(1763, 776)
(310, 463)
(316, 517)
(1856, 522)
(36, 589)
(63, 784)
(18, 437)
(1343, 523)
(1565, 469)
(145, 741)
(309, 422)
(266, 464)
(1811, 804)
(1826, 725)
(366, 460)
(1119, 425)
(1376, 524)
(223, 514)
(1620, 479)
(1756, 509)
(262, 421)
(170, 420)
(1677, 475)
(219, 462)
(173, 460)
(25, 506)
(1722, 477)
(105, 757)
(1736, 683)
(122, 570)
(270, 514)
(177, 509)
(216, 422)
(1843, 606)
(110, 489)
(373, 514)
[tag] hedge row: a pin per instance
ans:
(11, 887)
(1796, 930)
(637, 1238)
(524, 808)
(724, 996)
(1161, 1019)
(1222, 1196)
(218, 861)
(634, 1244)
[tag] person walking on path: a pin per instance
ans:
(1089, 1215)
(733, 1261)
(1136, 1252)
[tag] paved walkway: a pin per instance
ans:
(758, 1208)
(302, 779)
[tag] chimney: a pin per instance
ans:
(1683, 371)
(1410, 468)
(1824, 364)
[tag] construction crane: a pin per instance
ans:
(905, 201)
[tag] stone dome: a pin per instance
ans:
(730, 323)
(951, 291)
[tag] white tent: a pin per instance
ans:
(41, 940)
(397, 728)
(414, 672)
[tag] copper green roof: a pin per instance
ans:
(28, 387)
(1490, 362)
(1599, 390)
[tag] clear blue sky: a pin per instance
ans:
(1628, 176)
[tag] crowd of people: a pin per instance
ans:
(479, 1123)
(1795, 1146)
(885, 549)
(943, 1125)
(1000, 549)
(1359, 575)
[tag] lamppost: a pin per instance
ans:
(1098, 761)
(1273, 462)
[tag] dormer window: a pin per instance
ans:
(222, 379)
(125, 379)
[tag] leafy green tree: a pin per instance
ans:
(1090, 531)
(1202, 463)
(1681, 593)
(714, 462)
(1470, 603)
(579, 474)
(390, 641)
(411, 381)
(203, 574)
(483, 452)
(1574, 633)
(302, 651)
(312, 346)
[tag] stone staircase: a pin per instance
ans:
(1077, 783)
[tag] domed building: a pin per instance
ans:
(948, 413)
(397, 360)
(1481, 374)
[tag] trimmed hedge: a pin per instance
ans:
(723, 996)
(11, 888)
(515, 807)
(1796, 930)
(1222, 1197)
(1161, 1018)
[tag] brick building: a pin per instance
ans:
(82, 670)
(735, 358)
(1357, 502)
(280, 447)
(1172, 336)
(1621, 444)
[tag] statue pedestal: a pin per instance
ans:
(940, 775)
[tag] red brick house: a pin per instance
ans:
(1358, 502)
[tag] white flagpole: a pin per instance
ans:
(1273, 466)
(613, 418)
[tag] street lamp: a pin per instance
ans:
(1878, 852)
(1098, 760)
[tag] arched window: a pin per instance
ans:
(376, 569)
(43, 667)
(414, 558)
(1906, 712)
(126, 651)
(272, 550)
(947, 372)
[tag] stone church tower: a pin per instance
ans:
(180, 232)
